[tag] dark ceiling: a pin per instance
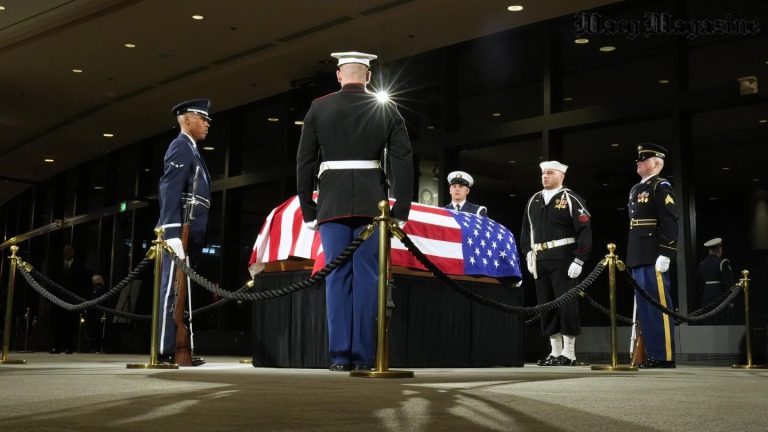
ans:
(243, 50)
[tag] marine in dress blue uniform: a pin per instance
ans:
(652, 245)
(715, 277)
(181, 161)
(557, 239)
(460, 184)
(348, 131)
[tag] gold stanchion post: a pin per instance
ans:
(382, 351)
(156, 253)
(747, 327)
(9, 310)
(613, 261)
(250, 284)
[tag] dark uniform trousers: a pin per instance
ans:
(176, 185)
(653, 232)
(553, 282)
(351, 293)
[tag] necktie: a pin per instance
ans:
(458, 207)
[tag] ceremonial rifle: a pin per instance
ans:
(183, 333)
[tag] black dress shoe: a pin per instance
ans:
(652, 363)
(54, 351)
(562, 360)
(165, 358)
(197, 361)
(335, 367)
(546, 361)
(363, 367)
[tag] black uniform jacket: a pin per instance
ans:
(653, 206)
(715, 269)
(565, 216)
(176, 184)
(470, 208)
(352, 125)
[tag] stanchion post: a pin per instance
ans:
(613, 262)
(155, 253)
(251, 283)
(382, 352)
(9, 310)
(747, 327)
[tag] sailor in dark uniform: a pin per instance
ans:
(557, 239)
(651, 247)
(183, 172)
(349, 131)
(716, 276)
(460, 184)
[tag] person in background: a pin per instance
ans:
(460, 184)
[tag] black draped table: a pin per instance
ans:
(431, 325)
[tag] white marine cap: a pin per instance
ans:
(354, 57)
(715, 242)
(555, 165)
(460, 177)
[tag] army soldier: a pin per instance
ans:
(460, 184)
(351, 130)
(557, 239)
(183, 172)
(651, 246)
(716, 276)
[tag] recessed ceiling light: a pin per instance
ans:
(541, 157)
(712, 198)
(298, 122)
(197, 17)
(605, 184)
(98, 187)
(726, 168)
(607, 48)
(130, 45)
(272, 119)
(615, 145)
(512, 195)
(496, 114)
(514, 8)
(48, 160)
(108, 135)
(2, 8)
(77, 70)
(763, 121)
(581, 41)
(620, 209)
(430, 127)
(567, 98)
(755, 179)
(208, 148)
(513, 161)
(147, 170)
(663, 81)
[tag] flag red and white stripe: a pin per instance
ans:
(435, 231)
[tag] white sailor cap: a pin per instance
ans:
(715, 242)
(354, 57)
(460, 177)
(555, 165)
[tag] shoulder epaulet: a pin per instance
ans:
(661, 181)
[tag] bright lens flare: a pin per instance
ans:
(382, 96)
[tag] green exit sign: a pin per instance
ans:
(123, 206)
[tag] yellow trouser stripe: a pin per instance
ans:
(665, 317)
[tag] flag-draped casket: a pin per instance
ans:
(458, 243)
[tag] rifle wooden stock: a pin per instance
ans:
(638, 353)
(183, 350)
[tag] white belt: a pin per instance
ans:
(553, 244)
(348, 164)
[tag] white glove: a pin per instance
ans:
(311, 225)
(530, 260)
(574, 270)
(175, 244)
(662, 264)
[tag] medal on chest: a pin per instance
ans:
(562, 203)
(643, 197)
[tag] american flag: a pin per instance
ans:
(459, 243)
